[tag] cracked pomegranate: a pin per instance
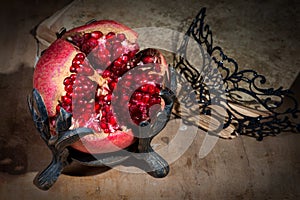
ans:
(97, 73)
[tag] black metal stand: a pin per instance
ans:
(63, 155)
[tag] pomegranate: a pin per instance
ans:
(83, 70)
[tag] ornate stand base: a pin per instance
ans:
(63, 155)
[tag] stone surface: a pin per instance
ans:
(259, 35)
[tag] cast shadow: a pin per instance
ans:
(15, 126)
(22, 149)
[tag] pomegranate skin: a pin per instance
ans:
(49, 72)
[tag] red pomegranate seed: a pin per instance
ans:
(85, 87)
(73, 77)
(78, 89)
(106, 108)
(69, 94)
(66, 100)
(67, 81)
(69, 88)
(57, 108)
(118, 51)
(112, 85)
(144, 88)
(117, 45)
(138, 96)
(103, 125)
(146, 98)
(89, 106)
(148, 59)
(157, 90)
(101, 58)
(129, 76)
(80, 102)
(76, 62)
(78, 40)
(125, 98)
(79, 70)
(112, 120)
(155, 100)
(144, 117)
(86, 116)
(80, 56)
(118, 62)
(106, 74)
(74, 95)
(81, 95)
(106, 130)
(97, 107)
(82, 110)
(96, 34)
(107, 97)
(86, 36)
(68, 108)
(125, 58)
(105, 60)
(86, 48)
(92, 42)
(103, 113)
(127, 83)
(131, 54)
(151, 89)
(73, 69)
(158, 100)
(110, 35)
(108, 45)
(88, 71)
(121, 36)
